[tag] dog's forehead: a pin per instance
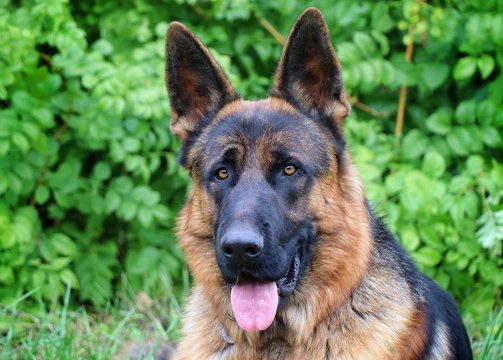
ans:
(263, 130)
(269, 120)
(271, 123)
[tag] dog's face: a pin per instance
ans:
(258, 162)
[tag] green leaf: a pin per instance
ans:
(411, 201)
(58, 263)
(64, 245)
(497, 28)
(62, 199)
(474, 164)
(161, 212)
(433, 164)
(430, 237)
(440, 121)
(459, 141)
(427, 256)
(131, 144)
(23, 101)
(471, 205)
(21, 142)
(145, 216)
(103, 46)
(144, 260)
(4, 183)
(465, 68)
(465, 112)
(123, 185)
(4, 147)
(485, 112)
(486, 65)
(42, 194)
(364, 43)
(457, 212)
(414, 144)
(434, 74)
(37, 278)
(112, 201)
(102, 171)
(409, 238)
(68, 277)
(381, 19)
(6, 275)
(24, 171)
(442, 279)
(44, 117)
(128, 209)
(491, 136)
(143, 194)
(15, 184)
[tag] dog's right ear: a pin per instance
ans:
(309, 73)
(196, 84)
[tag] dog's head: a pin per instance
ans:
(260, 169)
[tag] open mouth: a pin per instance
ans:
(255, 303)
(287, 283)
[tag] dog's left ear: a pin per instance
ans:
(309, 73)
(196, 84)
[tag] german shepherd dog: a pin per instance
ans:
(288, 259)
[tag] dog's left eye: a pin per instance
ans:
(289, 170)
(222, 174)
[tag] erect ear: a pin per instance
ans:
(309, 73)
(196, 84)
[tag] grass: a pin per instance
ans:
(491, 345)
(113, 332)
(66, 333)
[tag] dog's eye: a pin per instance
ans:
(289, 169)
(222, 174)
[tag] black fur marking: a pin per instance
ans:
(439, 305)
(340, 141)
(328, 352)
(442, 308)
(386, 244)
(187, 145)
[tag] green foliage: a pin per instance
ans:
(88, 179)
(89, 186)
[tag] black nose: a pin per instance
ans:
(241, 244)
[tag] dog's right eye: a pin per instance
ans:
(222, 174)
(289, 169)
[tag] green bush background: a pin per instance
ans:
(90, 187)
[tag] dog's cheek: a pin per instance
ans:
(298, 199)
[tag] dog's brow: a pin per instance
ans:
(281, 155)
(230, 152)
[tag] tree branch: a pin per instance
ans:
(402, 100)
(354, 101)
(275, 33)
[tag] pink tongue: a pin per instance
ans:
(254, 304)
